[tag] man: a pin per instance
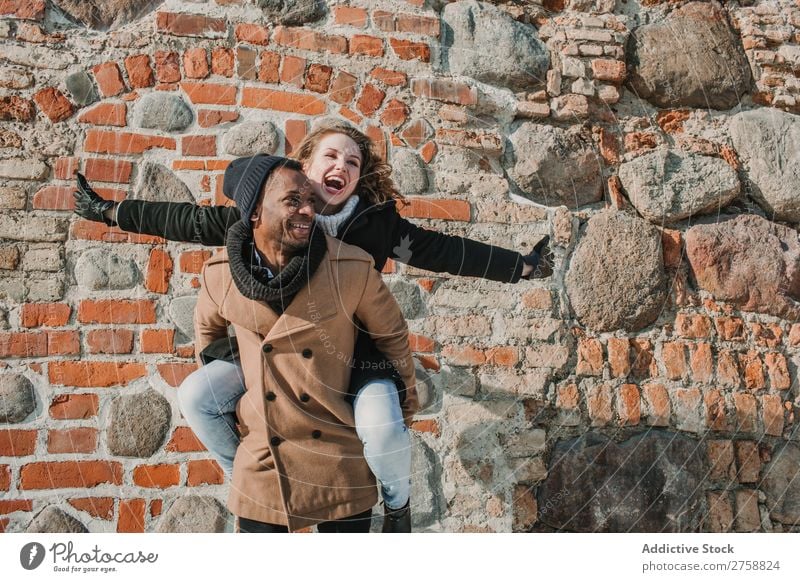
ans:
(295, 297)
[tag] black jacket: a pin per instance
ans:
(378, 229)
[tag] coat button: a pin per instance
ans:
(316, 434)
(270, 396)
(266, 348)
(305, 398)
(307, 353)
(275, 441)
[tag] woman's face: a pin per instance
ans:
(333, 169)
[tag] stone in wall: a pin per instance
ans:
(616, 278)
(17, 398)
(767, 142)
(54, 520)
(106, 14)
(409, 298)
(649, 483)
(781, 483)
(690, 59)
(181, 312)
(667, 186)
(292, 12)
(81, 88)
(194, 514)
(408, 173)
(485, 43)
(749, 262)
(100, 269)
(162, 111)
(249, 139)
(139, 424)
(554, 166)
(426, 486)
(158, 183)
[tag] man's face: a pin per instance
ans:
(286, 210)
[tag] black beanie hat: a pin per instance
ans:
(245, 177)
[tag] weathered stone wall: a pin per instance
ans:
(650, 384)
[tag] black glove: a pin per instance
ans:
(541, 259)
(89, 204)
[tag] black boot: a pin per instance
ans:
(397, 520)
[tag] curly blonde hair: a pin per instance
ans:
(375, 183)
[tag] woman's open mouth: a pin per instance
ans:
(333, 186)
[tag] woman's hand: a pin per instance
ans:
(539, 263)
(91, 206)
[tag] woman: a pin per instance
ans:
(356, 202)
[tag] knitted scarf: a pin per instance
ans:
(279, 291)
(330, 223)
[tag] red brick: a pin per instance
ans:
(701, 362)
(692, 326)
(89, 230)
(610, 146)
(109, 79)
(74, 406)
(222, 61)
(629, 405)
(94, 374)
(65, 168)
(444, 209)
(752, 370)
(246, 64)
(383, 20)
(131, 516)
(117, 311)
(619, 357)
(23, 344)
(294, 131)
(73, 440)
(370, 99)
(479, 140)
(657, 404)
(720, 512)
(63, 343)
(105, 170)
(408, 50)
(155, 507)
(417, 24)
(395, 113)
(13, 108)
(252, 33)
(53, 104)
(293, 71)
(727, 369)
(721, 460)
(716, 415)
(350, 16)
(362, 44)
(199, 145)
(344, 88)
(58, 475)
(748, 461)
(671, 121)
(157, 341)
(99, 507)
(378, 138)
(778, 371)
(303, 38)
(25, 9)
(674, 357)
(159, 476)
(318, 78)
(269, 67)
(61, 198)
(282, 101)
(212, 117)
(420, 343)
(794, 335)
(767, 335)
(204, 472)
(464, 355)
(540, 299)
(609, 70)
(192, 261)
(644, 365)
(5, 477)
(111, 142)
(159, 271)
(168, 69)
(598, 401)
(507, 356)
(746, 412)
(195, 63)
(525, 508)
(747, 517)
(590, 357)
(640, 140)
(772, 407)
(140, 73)
(182, 24)
(110, 341)
(47, 314)
(567, 398)
(174, 374)
(430, 426)
(210, 93)
(389, 77)
(184, 441)
(11, 505)
(17, 443)
(105, 114)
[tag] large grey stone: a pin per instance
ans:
(100, 269)
(249, 139)
(426, 485)
(139, 424)
(44, 289)
(106, 14)
(81, 88)
(690, 59)
(12, 288)
(17, 398)
(23, 169)
(162, 111)
(54, 520)
(409, 298)
(426, 390)
(749, 262)
(651, 482)
(554, 166)
(194, 514)
(767, 141)
(409, 174)
(158, 184)
(181, 312)
(668, 186)
(33, 228)
(292, 12)
(616, 278)
(781, 483)
(485, 43)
